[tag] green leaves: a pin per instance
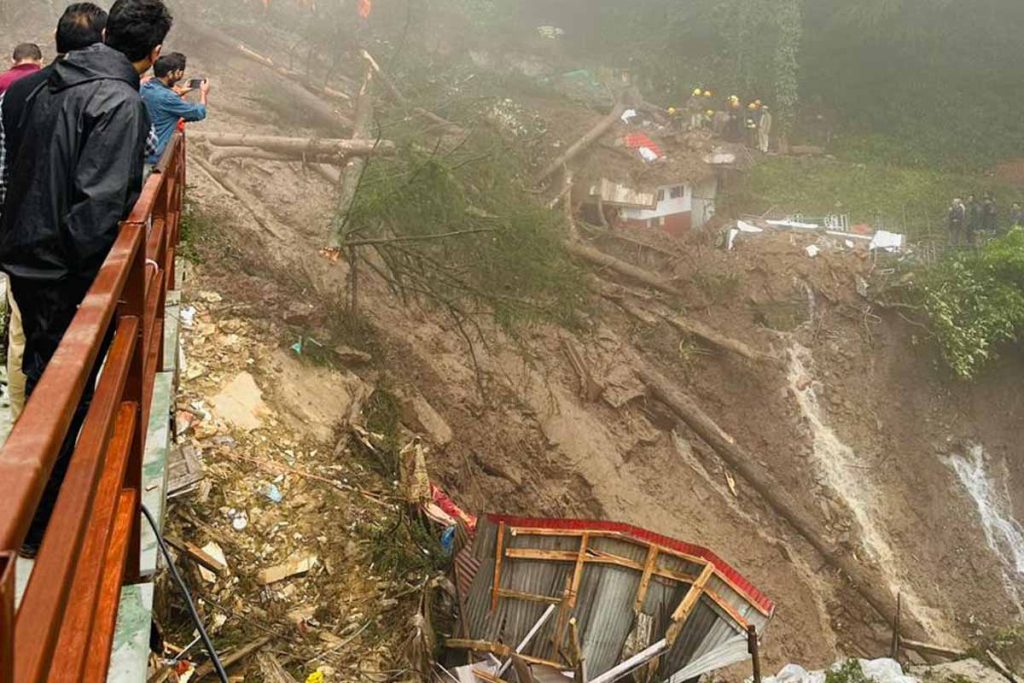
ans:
(975, 303)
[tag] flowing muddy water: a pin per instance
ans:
(1004, 534)
(843, 471)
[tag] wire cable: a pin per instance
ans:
(214, 657)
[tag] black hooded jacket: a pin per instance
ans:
(77, 171)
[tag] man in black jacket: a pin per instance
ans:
(76, 172)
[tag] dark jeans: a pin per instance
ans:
(47, 309)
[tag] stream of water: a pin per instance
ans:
(1004, 534)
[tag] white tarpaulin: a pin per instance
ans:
(877, 670)
(889, 241)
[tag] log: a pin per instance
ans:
(1002, 668)
(772, 492)
(352, 174)
(696, 328)
(290, 82)
(252, 204)
(599, 258)
(930, 649)
(297, 147)
(234, 658)
(329, 173)
(583, 143)
(219, 154)
(401, 99)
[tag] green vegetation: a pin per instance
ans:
(849, 672)
(914, 200)
(501, 252)
(975, 302)
(196, 228)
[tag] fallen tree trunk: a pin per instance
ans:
(738, 459)
(297, 147)
(219, 154)
(599, 258)
(930, 649)
(290, 82)
(401, 99)
(696, 328)
(252, 204)
(583, 143)
(352, 174)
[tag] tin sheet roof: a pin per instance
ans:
(625, 588)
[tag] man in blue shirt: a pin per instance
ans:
(163, 98)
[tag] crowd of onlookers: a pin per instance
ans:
(78, 136)
(967, 221)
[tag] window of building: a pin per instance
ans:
(678, 192)
(661, 195)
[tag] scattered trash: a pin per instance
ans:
(813, 250)
(877, 670)
(629, 115)
(216, 553)
(188, 316)
(550, 32)
(648, 154)
(316, 677)
(272, 493)
(887, 241)
(287, 570)
(448, 540)
(240, 521)
(299, 347)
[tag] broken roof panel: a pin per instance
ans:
(611, 579)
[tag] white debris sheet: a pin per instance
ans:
(877, 670)
(887, 241)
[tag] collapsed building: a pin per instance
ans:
(557, 600)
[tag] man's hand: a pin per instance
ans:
(205, 87)
(182, 90)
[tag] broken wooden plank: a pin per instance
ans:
(287, 570)
(272, 670)
(235, 657)
(499, 554)
(198, 555)
(932, 649)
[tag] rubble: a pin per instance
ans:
(421, 417)
(295, 567)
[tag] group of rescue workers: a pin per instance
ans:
(969, 220)
(728, 119)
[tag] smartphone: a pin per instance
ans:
(195, 83)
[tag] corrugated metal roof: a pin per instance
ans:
(538, 566)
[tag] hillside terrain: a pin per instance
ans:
(846, 407)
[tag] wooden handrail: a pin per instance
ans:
(92, 544)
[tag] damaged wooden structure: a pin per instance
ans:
(596, 601)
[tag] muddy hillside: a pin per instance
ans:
(760, 394)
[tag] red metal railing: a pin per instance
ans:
(64, 627)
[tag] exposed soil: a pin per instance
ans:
(864, 452)
(532, 446)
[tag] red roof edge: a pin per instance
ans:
(748, 590)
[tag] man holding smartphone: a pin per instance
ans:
(164, 99)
